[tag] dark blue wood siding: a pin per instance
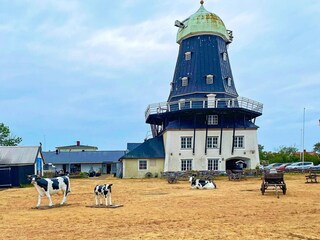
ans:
(206, 59)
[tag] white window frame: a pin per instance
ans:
(213, 164)
(187, 56)
(142, 169)
(209, 79)
(186, 164)
(184, 81)
(238, 142)
(213, 119)
(185, 142)
(224, 56)
(212, 142)
(229, 81)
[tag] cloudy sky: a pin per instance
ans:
(86, 70)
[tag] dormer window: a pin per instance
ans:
(212, 119)
(171, 88)
(187, 56)
(209, 79)
(224, 56)
(184, 81)
(229, 81)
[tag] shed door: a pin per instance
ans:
(5, 177)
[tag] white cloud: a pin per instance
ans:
(127, 46)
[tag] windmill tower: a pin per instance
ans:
(204, 123)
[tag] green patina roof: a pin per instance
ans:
(202, 22)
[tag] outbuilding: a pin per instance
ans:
(17, 162)
(105, 162)
(146, 159)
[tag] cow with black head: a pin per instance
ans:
(201, 183)
(103, 191)
(49, 186)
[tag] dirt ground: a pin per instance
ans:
(154, 209)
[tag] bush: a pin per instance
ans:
(79, 175)
(49, 174)
(148, 175)
(27, 185)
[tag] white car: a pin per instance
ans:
(300, 165)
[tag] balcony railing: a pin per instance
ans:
(204, 103)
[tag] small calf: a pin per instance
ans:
(101, 191)
(201, 184)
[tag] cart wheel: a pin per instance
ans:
(172, 180)
(262, 189)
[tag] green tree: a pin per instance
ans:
(288, 150)
(5, 137)
(316, 148)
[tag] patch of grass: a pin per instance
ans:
(27, 185)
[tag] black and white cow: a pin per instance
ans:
(49, 186)
(103, 191)
(201, 184)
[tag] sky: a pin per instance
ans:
(77, 70)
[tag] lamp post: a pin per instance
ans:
(304, 113)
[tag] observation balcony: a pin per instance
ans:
(240, 103)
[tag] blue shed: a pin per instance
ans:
(17, 162)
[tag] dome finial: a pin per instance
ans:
(201, 2)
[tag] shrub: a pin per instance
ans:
(148, 175)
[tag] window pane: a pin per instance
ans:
(213, 164)
(224, 56)
(239, 142)
(142, 164)
(188, 56)
(212, 119)
(186, 165)
(186, 142)
(209, 79)
(184, 82)
(212, 142)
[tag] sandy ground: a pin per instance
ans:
(154, 209)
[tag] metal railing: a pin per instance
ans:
(203, 103)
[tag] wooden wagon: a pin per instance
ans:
(172, 177)
(273, 181)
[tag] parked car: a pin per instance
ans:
(272, 165)
(316, 167)
(300, 166)
(283, 166)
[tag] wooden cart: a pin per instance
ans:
(273, 181)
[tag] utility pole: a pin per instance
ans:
(304, 115)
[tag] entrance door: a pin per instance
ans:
(5, 177)
(235, 164)
(108, 168)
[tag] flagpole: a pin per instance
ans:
(303, 125)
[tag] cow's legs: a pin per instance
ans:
(110, 199)
(50, 200)
(96, 199)
(39, 200)
(64, 199)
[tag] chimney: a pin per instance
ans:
(78, 143)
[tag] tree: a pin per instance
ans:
(5, 137)
(316, 148)
(288, 150)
